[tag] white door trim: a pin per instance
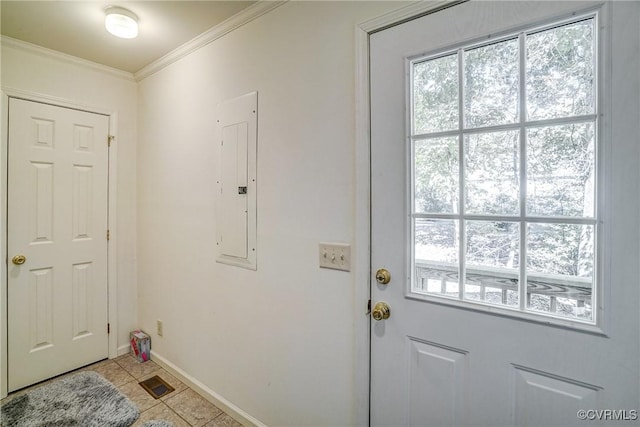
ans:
(7, 93)
(362, 256)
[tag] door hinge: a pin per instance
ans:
(108, 328)
(110, 138)
(108, 234)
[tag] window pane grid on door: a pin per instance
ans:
(492, 262)
(436, 189)
(436, 251)
(563, 184)
(518, 203)
(491, 81)
(435, 105)
(560, 70)
(491, 173)
(560, 268)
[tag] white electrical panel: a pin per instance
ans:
(236, 192)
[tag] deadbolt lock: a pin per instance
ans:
(383, 276)
(381, 311)
(19, 259)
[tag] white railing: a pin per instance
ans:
(556, 294)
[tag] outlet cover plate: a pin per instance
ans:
(336, 256)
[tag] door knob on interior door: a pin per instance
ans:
(383, 276)
(381, 311)
(19, 259)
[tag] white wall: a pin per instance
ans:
(279, 343)
(35, 71)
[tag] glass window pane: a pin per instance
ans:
(491, 78)
(492, 173)
(435, 95)
(481, 194)
(560, 71)
(436, 175)
(561, 170)
(436, 256)
(560, 265)
(492, 262)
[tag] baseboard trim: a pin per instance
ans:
(238, 414)
(123, 349)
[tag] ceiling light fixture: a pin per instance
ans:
(121, 23)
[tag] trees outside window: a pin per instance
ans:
(504, 143)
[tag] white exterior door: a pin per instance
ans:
(57, 240)
(505, 207)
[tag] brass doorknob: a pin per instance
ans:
(381, 311)
(19, 259)
(383, 276)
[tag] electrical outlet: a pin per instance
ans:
(159, 330)
(336, 256)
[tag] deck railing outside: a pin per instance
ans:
(567, 296)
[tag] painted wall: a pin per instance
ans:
(279, 342)
(54, 76)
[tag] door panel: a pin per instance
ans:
(536, 391)
(57, 219)
(429, 364)
(438, 362)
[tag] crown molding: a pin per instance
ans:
(236, 21)
(63, 57)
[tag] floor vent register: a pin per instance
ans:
(156, 387)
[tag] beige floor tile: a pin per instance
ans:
(193, 408)
(138, 395)
(122, 356)
(112, 372)
(161, 412)
(223, 420)
(135, 368)
(95, 365)
(169, 379)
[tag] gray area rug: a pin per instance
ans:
(85, 399)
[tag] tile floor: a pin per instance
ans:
(183, 407)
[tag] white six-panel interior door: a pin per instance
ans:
(57, 240)
(439, 362)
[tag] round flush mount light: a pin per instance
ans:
(121, 23)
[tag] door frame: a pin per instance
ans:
(112, 300)
(363, 170)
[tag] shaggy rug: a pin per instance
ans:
(85, 399)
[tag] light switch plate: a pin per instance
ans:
(336, 256)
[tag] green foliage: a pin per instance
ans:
(492, 82)
(559, 165)
(435, 89)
